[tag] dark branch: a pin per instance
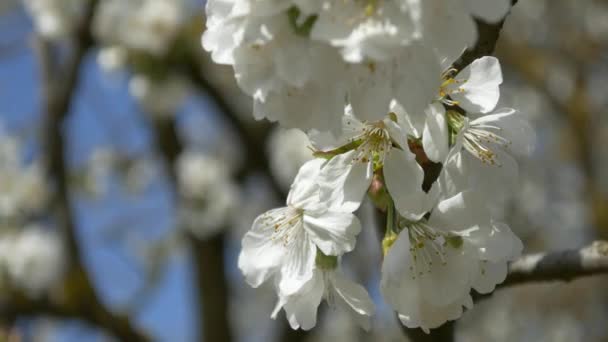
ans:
(488, 34)
(208, 255)
(560, 265)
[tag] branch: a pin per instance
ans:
(208, 255)
(79, 299)
(564, 265)
(488, 35)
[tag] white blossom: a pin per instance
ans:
(433, 264)
(54, 19)
(288, 150)
(146, 25)
(484, 151)
(208, 196)
(159, 97)
(380, 145)
(33, 258)
(23, 190)
(283, 242)
(112, 58)
(329, 284)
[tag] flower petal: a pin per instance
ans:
(304, 189)
(298, 263)
(354, 298)
(496, 243)
(490, 11)
(435, 135)
(417, 83)
(459, 212)
(403, 177)
(301, 308)
(490, 274)
(513, 127)
(334, 233)
(260, 254)
(344, 182)
(479, 85)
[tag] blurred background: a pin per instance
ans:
(130, 168)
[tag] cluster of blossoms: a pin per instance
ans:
(125, 28)
(301, 60)
(372, 84)
(31, 256)
(208, 194)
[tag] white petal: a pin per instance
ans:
(429, 317)
(411, 124)
(334, 233)
(403, 177)
(397, 133)
(453, 177)
(480, 91)
(490, 275)
(513, 127)
(354, 298)
(493, 183)
(298, 263)
(344, 182)
(459, 212)
(417, 81)
(261, 255)
(301, 308)
(370, 93)
(326, 140)
(441, 17)
(304, 189)
(489, 10)
(435, 136)
(406, 294)
(496, 243)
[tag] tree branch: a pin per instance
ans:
(564, 265)
(208, 255)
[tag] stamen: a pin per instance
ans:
(478, 140)
(285, 222)
(426, 245)
(375, 144)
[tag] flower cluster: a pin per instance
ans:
(31, 254)
(442, 239)
(207, 193)
(302, 61)
(372, 84)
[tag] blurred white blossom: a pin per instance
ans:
(23, 190)
(159, 97)
(112, 58)
(33, 257)
(148, 25)
(54, 18)
(208, 195)
(288, 150)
